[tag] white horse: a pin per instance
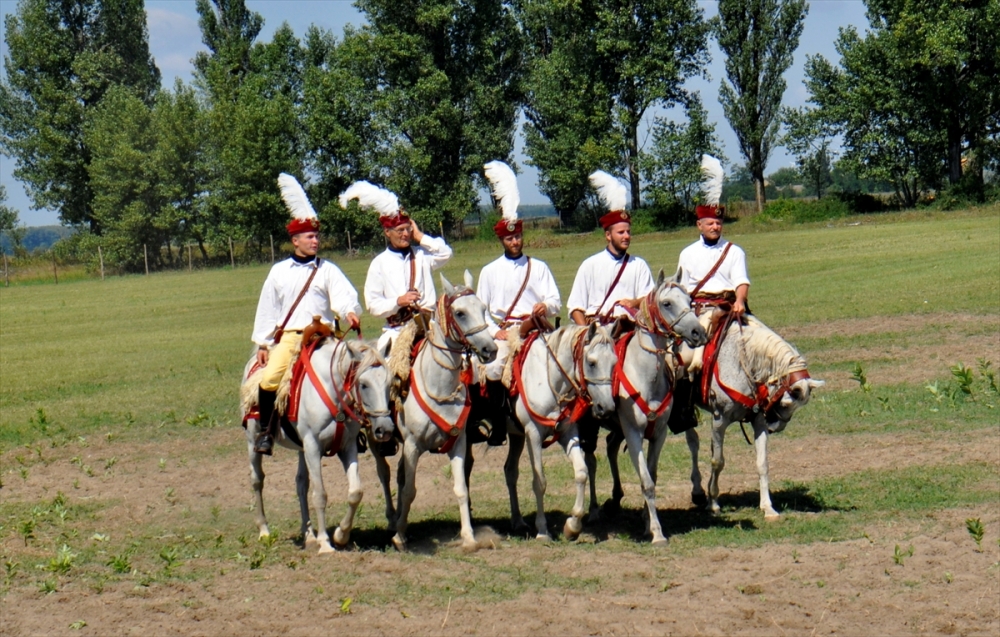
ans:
(354, 377)
(565, 373)
(761, 379)
(643, 388)
(434, 414)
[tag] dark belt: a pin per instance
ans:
(403, 315)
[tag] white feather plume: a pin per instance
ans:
(611, 192)
(711, 169)
(504, 184)
(371, 196)
(295, 197)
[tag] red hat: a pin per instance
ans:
(613, 217)
(709, 212)
(303, 216)
(508, 227)
(394, 221)
(296, 226)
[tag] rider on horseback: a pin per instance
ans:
(399, 284)
(297, 288)
(514, 288)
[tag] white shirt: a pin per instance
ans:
(595, 276)
(330, 295)
(698, 258)
(500, 281)
(389, 276)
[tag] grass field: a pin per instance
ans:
(124, 478)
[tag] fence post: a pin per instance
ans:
(232, 259)
(6, 271)
(441, 228)
(55, 271)
(349, 250)
(189, 257)
(145, 258)
(100, 255)
(272, 248)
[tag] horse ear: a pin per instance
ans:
(386, 350)
(469, 283)
(446, 285)
(659, 278)
(592, 330)
(678, 275)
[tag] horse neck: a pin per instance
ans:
(564, 354)
(638, 355)
(433, 376)
(768, 356)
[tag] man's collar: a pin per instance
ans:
(303, 260)
(612, 254)
(712, 244)
(519, 259)
(400, 251)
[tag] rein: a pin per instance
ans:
(620, 379)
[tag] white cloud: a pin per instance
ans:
(174, 38)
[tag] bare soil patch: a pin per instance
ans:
(616, 587)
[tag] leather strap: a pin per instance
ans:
(413, 270)
(305, 357)
(452, 430)
(517, 298)
(302, 293)
(715, 268)
(621, 380)
(621, 270)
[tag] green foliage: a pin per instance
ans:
(808, 139)
(120, 563)
(758, 38)
(63, 59)
(976, 530)
(62, 562)
(915, 93)
(672, 166)
(861, 377)
(898, 555)
(802, 211)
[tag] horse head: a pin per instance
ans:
(597, 362)
(371, 390)
(671, 311)
(463, 319)
(794, 396)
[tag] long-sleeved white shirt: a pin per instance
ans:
(389, 276)
(595, 276)
(330, 294)
(500, 280)
(698, 258)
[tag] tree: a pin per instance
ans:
(758, 38)
(10, 225)
(648, 48)
(808, 139)
(672, 167)
(916, 94)
(447, 94)
(63, 58)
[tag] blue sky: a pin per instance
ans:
(175, 38)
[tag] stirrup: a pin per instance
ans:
(264, 444)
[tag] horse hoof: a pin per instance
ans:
(264, 534)
(771, 516)
(311, 542)
(470, 546)
(660, 542)
(341, 538)
(543, 537)
(700, 500)
(572, 528)
(399, 544)
(325, 549)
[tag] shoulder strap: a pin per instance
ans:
(715, 268)
(621, 270)
(413, 270)
(517, 298)
(302, 293)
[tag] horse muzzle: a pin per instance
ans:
(382, 429)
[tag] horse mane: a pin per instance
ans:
(768, 356)
(368, 356)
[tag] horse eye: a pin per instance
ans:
(459, 314)
(796, 394)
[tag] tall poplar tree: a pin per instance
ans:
(758, 38)
(62, 59)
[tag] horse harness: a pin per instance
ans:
(452, 331)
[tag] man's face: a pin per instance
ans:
(710, 228)
(306, 244)
(399, 237)
(619, 236)
(513, 245)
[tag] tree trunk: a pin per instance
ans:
(954, 155)
(758, 182)
(633, 165)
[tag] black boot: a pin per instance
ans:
(265, 439)
(497, 396)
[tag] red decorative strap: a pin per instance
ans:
(620, 379)
(519, 389)
(304, 359)
(450, 430)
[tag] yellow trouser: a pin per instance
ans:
(278, 359)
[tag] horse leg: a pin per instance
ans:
(615, 439)
(314, 462)
(349, 458)
(458, 473)
(718, 462)
(633, 437)
(469, 461)
(385, 479)
(302, 490)
(760, 445)
(574, 523)
(515, 447)
(590, 459)
(534, 440)
(257, 479)
(408, 490)
(698, 497)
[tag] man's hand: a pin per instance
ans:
(539, 310)
(415, 232)
(501, 335)
(353, 319)
(740, 305)
(262, 356)
(632, 304)
(578, 317)
(408, 299)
